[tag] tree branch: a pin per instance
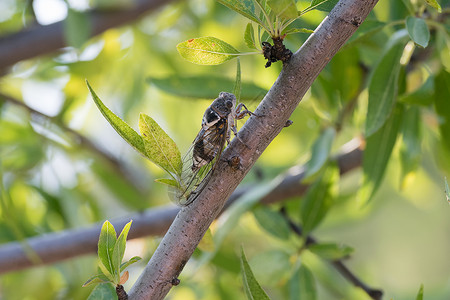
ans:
(54, 247)
(40, 40)
(274, 110)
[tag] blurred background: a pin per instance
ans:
(62, 166)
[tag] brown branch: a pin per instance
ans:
(39, 40)
(274, 110)
(54, 247)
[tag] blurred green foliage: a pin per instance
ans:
(392, 211)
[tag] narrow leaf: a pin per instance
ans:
(251, 286)
(100, 278)
(420, 293)
(434, 4)
(106, 272)
(122, 128)
(106, 243)
(243, 7)
(418, 31)
(124, 277)
(161, 149)
(296, 30)
(376, 155)
(319, 199)
(104, 291)
(132, 260)
(320, 151)
(307, 284)
(273, 222)
(322, 5)
(411, 150)
(330, 251)
(207, 51)
(383, 89)
(249, 36)
(204, 87)
(168, 181)
(119, 249)
(237, 84)
(285, 9)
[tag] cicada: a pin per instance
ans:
(219, 120)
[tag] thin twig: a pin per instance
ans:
(338, 264)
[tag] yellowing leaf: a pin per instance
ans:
(207, 51)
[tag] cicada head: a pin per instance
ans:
(224, 104)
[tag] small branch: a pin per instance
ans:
(40, 40)
(375, 294)
(54, 247)
(77, 137)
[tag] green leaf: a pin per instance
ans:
(418, 31)
(296, 30)
(77, 28)
(376, 155)
(421, 96)
(383, 88)
(441, 96)
(365, 30)
(99, 278)
(132, 260)
(320, 152)
(204, 87)
(161, 149)
(420, 293)
(119, 250)
(306, 285)
(237, 85)
(322, 5)
(252, 288)
(411, 150)
(106, 272)
(285, 9)
(319, 199)
(434, 4)
(249, 36)
(104, 291)
(207, 51)
(243, 7)
(106, 243)
(122, 128)
(330, 251)
(168, 181)
(273, 222)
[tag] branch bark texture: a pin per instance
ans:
(275, 109)
(39, 40)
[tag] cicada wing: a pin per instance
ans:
(193, 180)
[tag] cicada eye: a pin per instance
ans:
(229, 104)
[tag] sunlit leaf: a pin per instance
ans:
(100, 278)
(297, 30)
(418, 31)
(330, 251)
(319, 198)
(168, 181)
(207, 51)
(302, 285)
(320, 151)
(434, 4)
(132, 260)
(104, 291)
(273, 222)
(249, 36)
(411, 150)
(106, 243)
(376, 155)
(284, 8)
(205, 87)
(422, 95)
(119, 249)
(251, 286)
(420, 293)
(383, 89)
(77, 28)
(161, 149)
(122, 128)
(244, 7)
(322, 5)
